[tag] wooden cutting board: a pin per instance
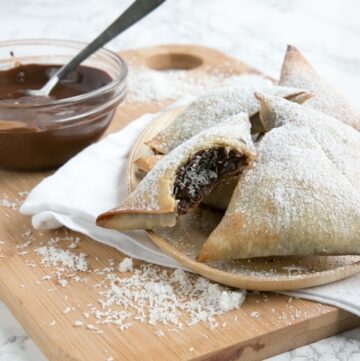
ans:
(278, 325)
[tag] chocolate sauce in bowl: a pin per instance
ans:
(39, 133)
(14, 81)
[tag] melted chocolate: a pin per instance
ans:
(14, 81)
(46, 143)
(200, 174)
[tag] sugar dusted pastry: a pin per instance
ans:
(303, 196)
(298, 72)
(210, 109)
(184, 177)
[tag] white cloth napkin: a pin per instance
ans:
(94, 181)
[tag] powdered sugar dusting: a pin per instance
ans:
(298, 72)
(202, 222)
(210, 109)
(303, 196)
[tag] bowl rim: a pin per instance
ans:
(120, 62)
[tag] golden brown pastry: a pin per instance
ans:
(147, 162)
(210, 109)
(298, 72)
(303, 196)
(184, 177)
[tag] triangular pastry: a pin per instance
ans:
(303, 196)
(181, 179)
(298, 72)
(210, 109)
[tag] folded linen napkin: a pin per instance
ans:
(95, 180)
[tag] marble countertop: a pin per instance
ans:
(327, 31)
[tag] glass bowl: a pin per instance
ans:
(40, 136)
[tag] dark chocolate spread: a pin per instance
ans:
(14, 81)
(200, 174)
(33, 133)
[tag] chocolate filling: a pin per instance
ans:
(199, 175)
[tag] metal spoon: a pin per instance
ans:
(135, 12)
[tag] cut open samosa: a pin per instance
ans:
(298, 72)
(303, 196)
(210, 109)
(180, 180)
(218, 198)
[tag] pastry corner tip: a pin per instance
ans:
(294, 56)
(155, 144)
(204, 254)
(260, 96)
(102, 219)
(201, 258)
(291, 48)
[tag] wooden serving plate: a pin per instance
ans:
(38, 304)
(184, 241)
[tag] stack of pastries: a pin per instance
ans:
(281, 161)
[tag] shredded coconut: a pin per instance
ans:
(126, 265)
(66, 310)
(147, 85)
(5, 202)
(159, 333)
(166, 297)
(168, 300)
(53, 256)
(255, 314)
(128, 294)
(91, 327)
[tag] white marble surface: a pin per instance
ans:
(327, 31)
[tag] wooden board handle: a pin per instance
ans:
(186, 57)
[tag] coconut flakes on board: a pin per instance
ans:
(169, 300)
(6, 202)
(125, 294)
(148, 85)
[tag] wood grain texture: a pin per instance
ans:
(282, 325)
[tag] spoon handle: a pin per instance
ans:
(135, 12)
